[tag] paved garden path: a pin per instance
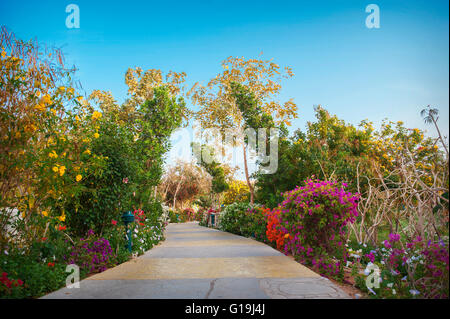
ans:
(196, 262)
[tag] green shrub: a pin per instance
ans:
(238, 219)
(173, 217)
(147, 230)
(107, 191)
(199, 215)
(39, 276)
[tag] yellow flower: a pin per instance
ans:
(62, 217)
(46, 99)
(80, 99)
(61, 88)
(62, 169)
(52, 154)
(45, 213)
(3, 53)
(87, 152)
(30, 128)
(53, 111)
(96, 135)
(55, 169)
(18, 135)
(78, 177)
(77, 118)
(40, 107)
(96, 115)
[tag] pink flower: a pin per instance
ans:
(386, 244)
(394, 238)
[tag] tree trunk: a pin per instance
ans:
(250, 187)
(176, 192)
(440, 136)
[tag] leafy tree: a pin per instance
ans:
(217, 172)
(132, 139)
(156, 120)
(220, 108)
(151, 113)
(254, 117)
(329, 150)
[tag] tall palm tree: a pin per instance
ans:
(431, 115)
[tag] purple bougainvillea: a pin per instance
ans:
(92, 254)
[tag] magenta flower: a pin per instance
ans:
(387, 244)
(394, 238)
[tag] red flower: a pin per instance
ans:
(50, 264)
(114, 222)
(44, 238)
(61, 228)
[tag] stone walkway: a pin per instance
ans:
(195, 262)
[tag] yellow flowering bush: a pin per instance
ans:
(394, 143)
(238, 192)
(44, 135)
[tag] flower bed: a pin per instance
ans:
(33, 272)
(311, 225)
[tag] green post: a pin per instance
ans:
(213, 219)
(127, 219)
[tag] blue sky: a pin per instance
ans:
(354, 72)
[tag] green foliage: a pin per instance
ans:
(243, 219)
(252, 112)
(203, 201)
(105, 193)
(329, 150)
(147, 230)
(213, 168)
(173, 217)
(38, 278)
(156, 120)
(133, 163)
